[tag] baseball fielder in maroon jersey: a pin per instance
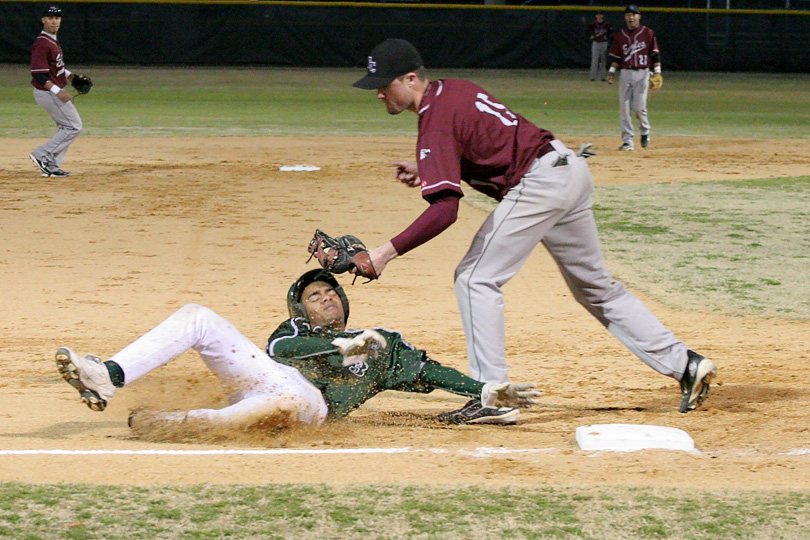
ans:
(634, 51)
(49, 78)
(544, 193)
(600, 32)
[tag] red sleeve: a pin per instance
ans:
(436, 218)
(39, 57)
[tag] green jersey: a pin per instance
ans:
(396, 367)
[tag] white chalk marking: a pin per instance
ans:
(477, 452)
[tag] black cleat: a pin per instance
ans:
(474, 413)
(695, 382)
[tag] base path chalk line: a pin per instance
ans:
(481, 452)
(476, 452)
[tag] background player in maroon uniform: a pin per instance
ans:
(544, 193)
(634, 50)
(49, 78)
(600, 32)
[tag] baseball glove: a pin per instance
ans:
(656, 81)
(341, 254)
(81, 83)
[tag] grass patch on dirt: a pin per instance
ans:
(34, 512)
(173, 102)
(736, 247)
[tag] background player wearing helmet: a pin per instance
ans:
(543, 191)
(306, 379)
(634, 50)
(49, 78)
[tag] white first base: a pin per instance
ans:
(632, 437)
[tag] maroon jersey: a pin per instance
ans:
(466, 134)
(632, 49)
(599, 31)
(46, 58)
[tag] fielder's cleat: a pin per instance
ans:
(625, 148)
(43, 166)
(88, 375)
(474, 413)
(695, 381)
(645, 141)
(57, 172)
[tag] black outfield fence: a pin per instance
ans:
(340, 34)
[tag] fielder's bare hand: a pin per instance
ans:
(380, 256)
(407, 173)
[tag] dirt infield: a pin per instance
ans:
(144, 226)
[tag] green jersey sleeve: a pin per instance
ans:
(397, 367)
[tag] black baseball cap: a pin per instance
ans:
(390, 59)
(52, 11)
(632, 8)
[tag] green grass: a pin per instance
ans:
(300, 102)
(396, 512)
(739, 247)
(736, 247)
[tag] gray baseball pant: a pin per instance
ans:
(67, 120)
(552, 205)
(599, 60)
(633, 87)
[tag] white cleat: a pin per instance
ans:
(88, 375)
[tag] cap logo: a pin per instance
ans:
(372, 65)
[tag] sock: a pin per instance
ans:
(116, 373)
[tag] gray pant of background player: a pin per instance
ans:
(599, 60)
(67, 120)
(552, 205)
(633, 86)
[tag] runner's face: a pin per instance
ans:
(51, 24)
(398, 95)
(632, 20)
(323, 305)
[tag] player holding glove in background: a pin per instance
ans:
(49, 78)
(634, 50)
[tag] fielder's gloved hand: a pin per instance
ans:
(585, 151)
(81, 83)
(359, 348)
(656, 81)
(509, 395)
(341, 254)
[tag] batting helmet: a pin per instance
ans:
(294, 305)
(52, 11)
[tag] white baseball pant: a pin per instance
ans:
(633, 89)
(552, 205)
(257, 386)
(69, 125)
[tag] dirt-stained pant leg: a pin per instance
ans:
(633, 88)
(256, 384)
(553, 205)
(69, 125)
